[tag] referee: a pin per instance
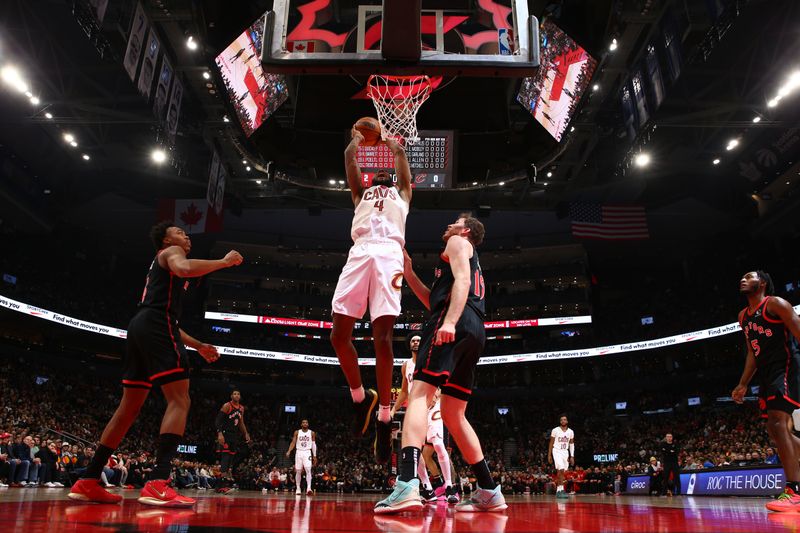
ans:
(669, 459)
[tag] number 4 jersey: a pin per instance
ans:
(381, 214)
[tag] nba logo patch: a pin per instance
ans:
(505, 41)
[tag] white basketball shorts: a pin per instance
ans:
(561, 460)
(302, 460)
(373, 275)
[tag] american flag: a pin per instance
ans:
(608, 222)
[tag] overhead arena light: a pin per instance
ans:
(48, 116)
(68, 137)
(248, 168)
(158, 155)
(595, 87)
(716, 161)
(733, 143)
(206, 75)
(35, 100)
(756, 120)
(549, 174)
(258, 182)
(191, 44)
(86, 157)
(12, 77)
(613, 46)
(502, 183)
(642, 159)
(74, 144)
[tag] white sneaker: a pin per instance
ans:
(3, 486)
(23, 483)
(58, 484)
(50, 485)
(110, 486)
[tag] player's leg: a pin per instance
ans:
(88, 487)
(778, 429)
(307, 468)
(173, 425)
(383, 333)
(470, 338)
(364, 400)
(427, 455)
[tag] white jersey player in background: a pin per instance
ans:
(434, 438)
(561, 452)
(373, 276)
(305, 441)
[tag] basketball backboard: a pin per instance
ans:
(458, 37)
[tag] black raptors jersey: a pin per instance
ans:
(233, 418)
(443, 284)
(775, 348)
(163, 291)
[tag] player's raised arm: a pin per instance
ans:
(352, 168)
(401, 168)
(174, 259)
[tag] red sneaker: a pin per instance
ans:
(92, 491)
(159, 493)
(788, 502)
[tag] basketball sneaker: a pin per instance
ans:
(788, 502)
(383, 441)
(482, 500)
(92, 491)
(309, 492)
(158, 492)
(427, 495)
(363, 412)
(452, 495)
(562, 495)
(405, 497)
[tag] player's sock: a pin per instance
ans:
(358, 394)
(794, 485)
(422, 472)
(97, 463)
(167, 449)
(298, 478)
(384, 413)
(481, 471)
(308, 479)
(409, 459)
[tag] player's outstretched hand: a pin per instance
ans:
(445, 334)
(356, 136)
(233, 258)
(738, 393)
(208, 352)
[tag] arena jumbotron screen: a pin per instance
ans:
(430, 159)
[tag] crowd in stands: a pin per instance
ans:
(50, 422)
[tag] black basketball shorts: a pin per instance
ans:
(155, 354)
(451, 366)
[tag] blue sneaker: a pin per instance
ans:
(405, 497)
(562, 495)
(483, 501)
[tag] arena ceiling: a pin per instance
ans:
(732, 67)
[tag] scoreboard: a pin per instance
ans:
(430, 159)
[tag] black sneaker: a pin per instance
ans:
(427, 496)
(452, 495)
(363, 413)
(383, 441)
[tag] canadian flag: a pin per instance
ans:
(193, 215)
(301, 46)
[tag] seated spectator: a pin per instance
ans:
(654, 471)
(5, 459)
(771, 458)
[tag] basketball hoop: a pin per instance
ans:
(397, 100)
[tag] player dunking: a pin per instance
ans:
(771, 331)
(305, 441)
(231, 430)
(156, 355)
(561, 451)
(435, 438)
(452, 341)
(373, 275)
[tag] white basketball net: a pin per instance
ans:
(397, 100)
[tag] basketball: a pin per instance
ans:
(370, 128)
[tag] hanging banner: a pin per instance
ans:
(148, 70)
(135, 42)
(211, 191)
(174, 108)
(162, 89)
(219, 196)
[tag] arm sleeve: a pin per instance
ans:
(219, 422)
(313, 449)
(572, 450)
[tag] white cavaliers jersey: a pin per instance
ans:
(409, 374)
(562, 438)
(381, 214)
(303, 440)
